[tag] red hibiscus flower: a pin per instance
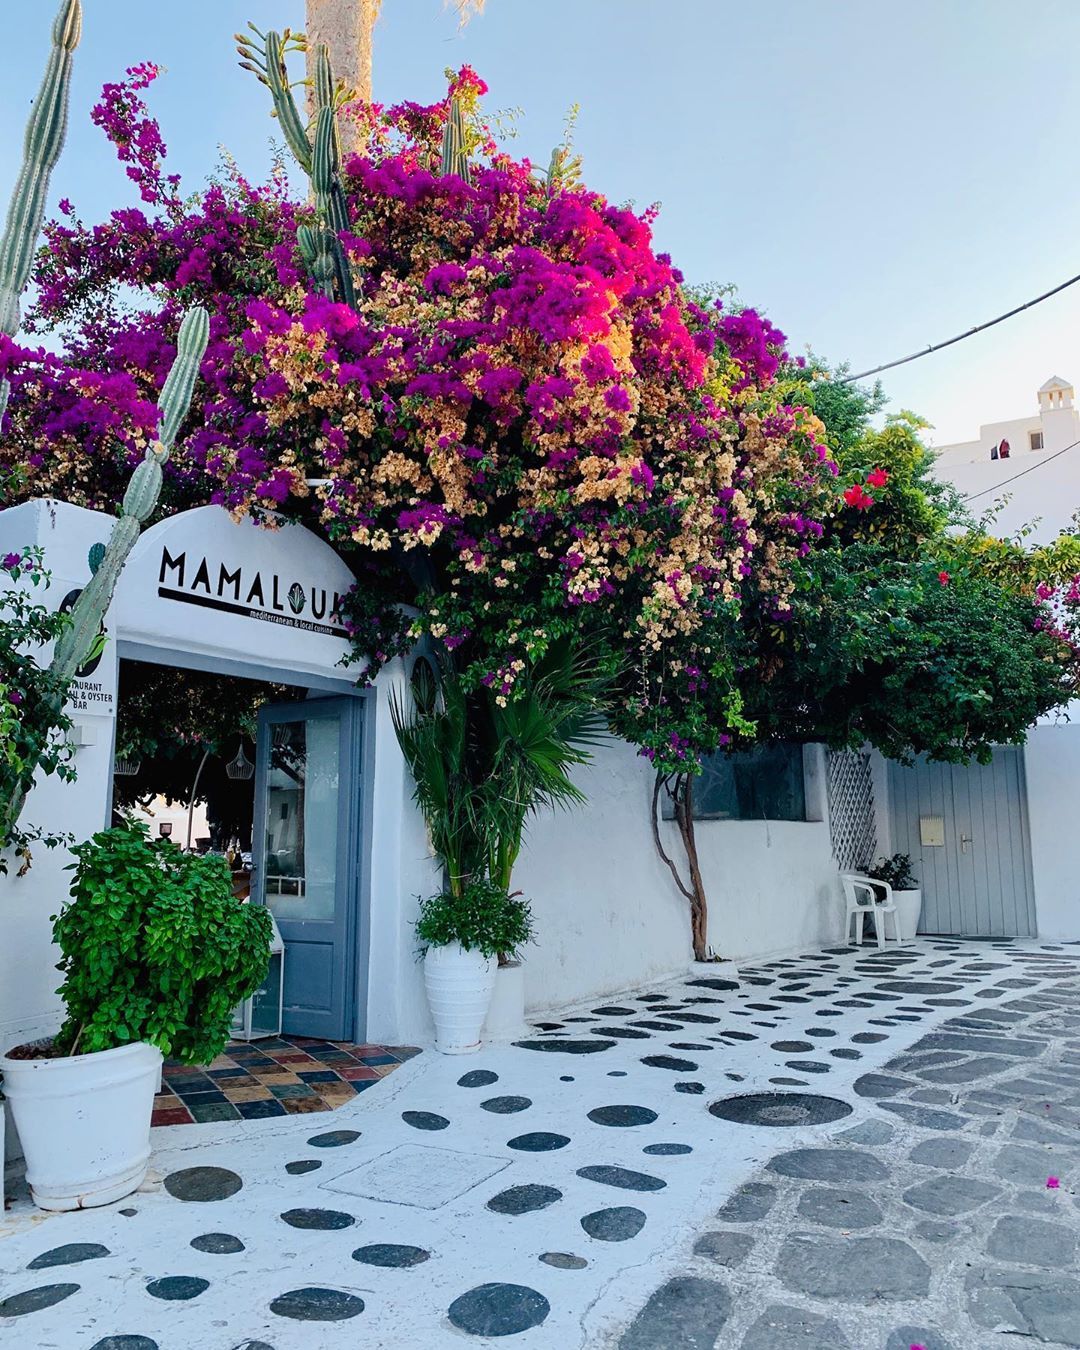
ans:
(944, 578)
(858, 497)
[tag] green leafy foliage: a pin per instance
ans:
(912, 657)
(155, 947)
(483, 762)
(481, 916)
(33, 723)
(896, 871)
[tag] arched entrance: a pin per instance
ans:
(241, 603)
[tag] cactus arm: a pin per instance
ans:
(265, 56)
(140, 499)
(455, 155)
(45, 133)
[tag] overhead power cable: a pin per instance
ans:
(979, 328)
(1030, 469)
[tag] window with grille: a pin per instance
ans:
(1036, 439)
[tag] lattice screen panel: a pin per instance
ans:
(851, 809)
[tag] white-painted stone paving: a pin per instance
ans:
(487, 1164)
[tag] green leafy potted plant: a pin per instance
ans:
(156, 954)
(907, 894)
(482, 763)
(464, 935)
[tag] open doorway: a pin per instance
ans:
(266, 775)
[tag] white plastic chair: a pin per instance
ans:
(864, 901)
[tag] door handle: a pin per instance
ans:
(965, 839)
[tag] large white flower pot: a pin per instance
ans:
(506, 1015)
(84, 1123)
(459, 985)
(908, 910)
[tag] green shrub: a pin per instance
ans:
(483, 916)
(155, 947)
(896, 871)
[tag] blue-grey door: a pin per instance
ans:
(306, 844)
(966, 829)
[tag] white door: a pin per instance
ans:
(966, 829)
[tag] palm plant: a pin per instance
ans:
(538, 738)
(434, 736)
(481, 768)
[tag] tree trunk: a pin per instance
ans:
(681, 791)
(699, 905)
(345, 27)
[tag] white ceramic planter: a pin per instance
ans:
(84, 1123)
(459, 986)
(908, 910)
(506, 1015)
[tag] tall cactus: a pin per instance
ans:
(455, 154)
(44, 140)
(264, 54)
(140, 499)
(319, 152)
(45, 132)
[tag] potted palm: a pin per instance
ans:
(482, 764)
(907, 894)
(156, 954)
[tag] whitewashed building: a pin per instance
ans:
(996, 846)
(1033, 462)
(203, 592)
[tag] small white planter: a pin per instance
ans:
(908, 910)
(84, 1123)
(506, 1015)
(459, 986)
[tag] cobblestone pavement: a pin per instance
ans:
(563, 1193)
(950, 1220)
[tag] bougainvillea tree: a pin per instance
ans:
(480, 381)
(522, 425)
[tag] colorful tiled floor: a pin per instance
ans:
(279, 1076)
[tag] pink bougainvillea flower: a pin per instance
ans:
(1052, 1183)
(877, 477)
(858, 497)
(944, 578)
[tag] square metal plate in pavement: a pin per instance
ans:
(413, 1174)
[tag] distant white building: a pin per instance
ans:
(994, 466)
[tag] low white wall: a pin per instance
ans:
(1052, 768)
(607, 912)
(773, 886)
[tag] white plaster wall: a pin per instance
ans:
(29, 1007)
(1049, 495)
(773, 886)
(1052, 768)
(401, 871)
(608, 915)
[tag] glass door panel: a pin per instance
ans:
(307, 862)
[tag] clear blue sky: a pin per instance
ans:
(875, 176)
